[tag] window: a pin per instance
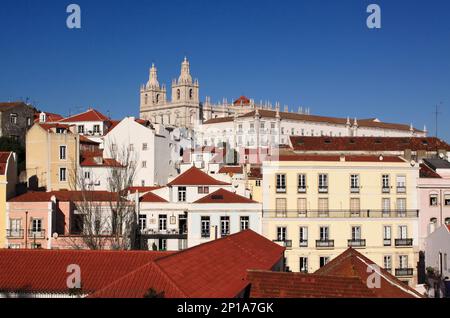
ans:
(303, 264)
(402, 232)
(292, 131)
(261, 125)
(403, 261)
(281, 233)
(62, 174)
(178, 94)
(203, 190)
(144, 146)
(303, 236)
(433, 199)
(142, 222)
(281, 207)
(354, 183)
(205, 226)
(281, 183)
(385, 183)
(162, 221)
(386, 205)
(258, 183)
(224, 226)
(36, 225)
(163, 244)
(96, 129)
(447, 221)
(272, 125)
(142, 183)
(301, 183)
(356, 233)
(323, 260)
(28, 121)
(87, 174)
(447, 200)
(131, 147)
(432, 225)
(387, 262)
(182, 194)
(355, 205)
(13, 118)
(387, 232)
(81, 129)
(62, 152)
(144, 164)
(245, 223)
(190, 94)
(401, 204)
(323, 183)
(445, 261)
(301, 205)
(324, 233)
(401, 184)
(323, 205)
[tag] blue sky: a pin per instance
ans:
(317, 54)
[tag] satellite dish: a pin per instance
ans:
(55, 235)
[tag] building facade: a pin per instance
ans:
(15, 119)
(318, 206)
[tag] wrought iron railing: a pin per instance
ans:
(340, 214)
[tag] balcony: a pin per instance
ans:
(341, 214)
(401, 189)
(357, 243)
(354, 190)
(325, 243)
(404, 272)
(301, 190)
(284, 243)
(167, 234)
(281, 190)
(36, 234)
(385, 190)
(408, 242)
(303, 243)
(323, 189)
(387, 242)
(14, 234)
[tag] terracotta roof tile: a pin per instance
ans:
(427, 172)
(231, 169)
(151, 197)
(224, 196)
(243, 100)
(194, 176)
(89, 115)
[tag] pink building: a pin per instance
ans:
(50, 219)
(434, 197)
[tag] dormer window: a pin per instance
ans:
(42, 118)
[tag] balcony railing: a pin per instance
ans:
(404, 242)
(401, 189)
(341, 214)
(285, 243)
(303, 243)
(354, 190)
(404, 272)
(325, 243)
(206, 234)
(281, 190)
(14, 234)
(301, 190)
(323, 189)
(36, 234)
(385, 190)
(357, 243)
(162, 232)
(387, 242)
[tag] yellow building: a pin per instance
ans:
(52, 152)
(254, 183)
(8, 181)
(318, 206)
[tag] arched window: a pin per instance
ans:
(178, 94)
(190, 94)
(432, 225)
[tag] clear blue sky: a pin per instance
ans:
(317, 54)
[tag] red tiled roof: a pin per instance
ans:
(194, 176)
(243, 100)
(46, 270)
(4, 156)
(300, 157)
(427, 172)
(255, 173)
(89, 115)
(224, 196)
(54, 125)
(143, 189)
(216, 269)
(448, 227)
(231, 169)
(38, 196)
(50, 117)
(86, 140)
(151, 197)
(114, 123)
(103, 162)
(265, 284)
(372, 144)
(352, 263)
(218, 120)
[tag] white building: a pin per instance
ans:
(191, 199)
(155, 148)
(437, 250)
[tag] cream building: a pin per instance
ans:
(318, 206)
(52, 152)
